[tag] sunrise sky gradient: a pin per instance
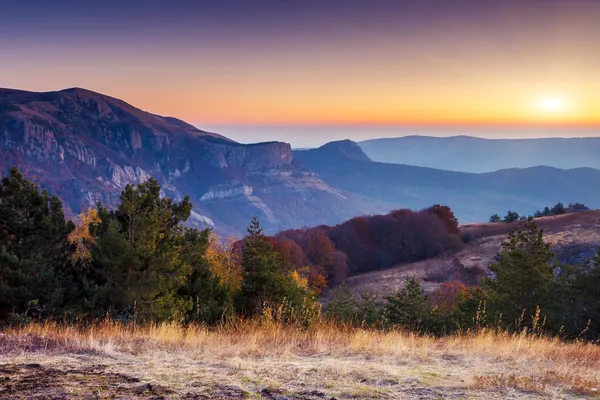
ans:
(440, 64)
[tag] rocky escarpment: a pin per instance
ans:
(87, 147)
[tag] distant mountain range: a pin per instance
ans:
(473, 197)
(86, 147)
(470, 154)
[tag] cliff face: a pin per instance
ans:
(87, 147)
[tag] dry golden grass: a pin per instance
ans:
(275, 361)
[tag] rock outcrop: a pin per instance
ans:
(87, 147)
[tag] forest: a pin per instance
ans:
(140, 262)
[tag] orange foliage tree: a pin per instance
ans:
(81, 237)
(224, 261)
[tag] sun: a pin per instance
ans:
(552, 105)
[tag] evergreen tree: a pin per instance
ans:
(558, 209)
(511, 216)
(33, 249)
(264, 283)
(211, 300)
(575, 296)
(408, 307)
(523, 274)
(495, 218)
(343, 307)
(149, 265)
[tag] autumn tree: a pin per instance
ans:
(224, 262)
(446, 215)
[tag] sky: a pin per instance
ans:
(311, 71)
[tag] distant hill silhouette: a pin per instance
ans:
(470, 154)
(473, 197)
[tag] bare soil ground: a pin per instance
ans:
(275, 362)
(573, 237)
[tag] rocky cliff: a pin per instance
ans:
(87, 147)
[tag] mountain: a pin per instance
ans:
(86, 147)
(473, 197)
(470, 154)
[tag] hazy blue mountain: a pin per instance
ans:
(473, 197)
(470, 154)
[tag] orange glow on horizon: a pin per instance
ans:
(507, 66)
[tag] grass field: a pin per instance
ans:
(278, 362)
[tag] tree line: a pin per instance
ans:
(140, 262)
(557, 209)
(526, 289)
(137, 262)
(370, 243)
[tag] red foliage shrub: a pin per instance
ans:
(446, 295)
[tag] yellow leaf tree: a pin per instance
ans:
(224, 262)
(81, 237)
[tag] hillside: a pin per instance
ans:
(86, 147)
(473, 197)
(573, 237)
(470, 154)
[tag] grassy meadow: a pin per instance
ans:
(270, 360)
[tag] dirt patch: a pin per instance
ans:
(35, 381)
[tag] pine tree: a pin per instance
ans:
(408, 307)
(495, 218)
(149, 266)
(262, 278)
(523, 274)
(343, 307)
(265, 283)
(33, 249)
(511, 216)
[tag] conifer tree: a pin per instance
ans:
(264, 282)
(149, 265)
(33, 249)
(262, 278)
(408, 307)
(523, 274)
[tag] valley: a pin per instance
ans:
(87, 147)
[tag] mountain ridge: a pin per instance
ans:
(473, 154)
(472, 196)
(86, 147)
